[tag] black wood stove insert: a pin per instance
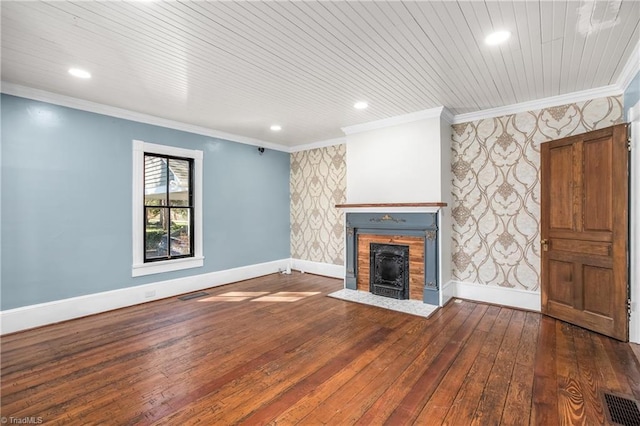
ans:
(389, 270)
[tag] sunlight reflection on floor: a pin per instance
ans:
(260, 296)
(286, 296)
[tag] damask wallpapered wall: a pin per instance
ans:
(318, 182)
(496, 189)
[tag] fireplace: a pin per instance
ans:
(389, 270)
(393, 254)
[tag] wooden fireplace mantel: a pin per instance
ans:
(393, 205)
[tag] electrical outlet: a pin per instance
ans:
(150, 293)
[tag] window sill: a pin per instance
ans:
(142, 269)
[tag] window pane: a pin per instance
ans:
(151, 200)
(179, 182)
(156, 229)
(180, 232)
(155, 180)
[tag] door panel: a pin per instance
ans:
(584, 215)
(597, 283)
(561, 213)
(562, 275)
(597, 185)
(586, 247)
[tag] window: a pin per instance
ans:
(167, 208)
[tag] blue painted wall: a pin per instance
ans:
(631, 95)
(66, 202)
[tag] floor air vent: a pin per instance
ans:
(622, 411)
(193, 295)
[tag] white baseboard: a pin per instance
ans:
(26, 317)
(32, 316)
(447, 292)
(318, 268)
(516, 298)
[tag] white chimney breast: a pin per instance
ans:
(400, 163)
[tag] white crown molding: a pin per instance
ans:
(631, 68)
(538, 104)
(70, 102)
(26, 317)
(447, 115)
(320, 144)
(393, 121)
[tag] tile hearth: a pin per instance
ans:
(412, 307)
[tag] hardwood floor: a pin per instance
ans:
(299, 357)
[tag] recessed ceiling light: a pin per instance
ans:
(497, 37)
(360, 105)
(77, 72)
(276, 127)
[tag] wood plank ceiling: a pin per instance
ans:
(241, 66)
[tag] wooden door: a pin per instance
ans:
(584, 203)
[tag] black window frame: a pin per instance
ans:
(168, 206)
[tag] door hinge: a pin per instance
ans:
(629, 138)
(629, 307)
